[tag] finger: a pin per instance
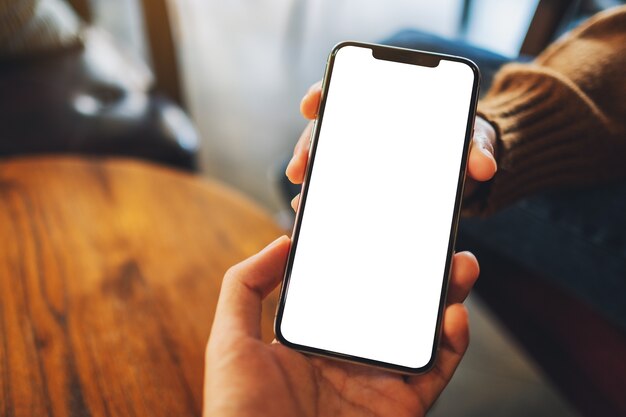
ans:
(311, 101)
(295, 202)
(245, 285)
(482, 164)
(297, 166)
(465, 271)
(454, 342)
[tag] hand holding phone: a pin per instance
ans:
(246, 377)
(404, 141)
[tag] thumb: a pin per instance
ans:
(244, 287)
(482, 164)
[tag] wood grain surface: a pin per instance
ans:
(109, 276)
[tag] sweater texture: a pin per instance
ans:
(560, 120)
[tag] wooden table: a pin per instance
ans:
(109, 275)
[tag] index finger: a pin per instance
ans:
(311, 101)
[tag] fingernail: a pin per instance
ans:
(303, 101)
(313, 87)
(296, 148)
(274, 243)
(294, 202)
(489, 154)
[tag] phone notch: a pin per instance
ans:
(406, 56)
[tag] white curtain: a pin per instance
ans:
(247, 63)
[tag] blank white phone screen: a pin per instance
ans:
(369, 264)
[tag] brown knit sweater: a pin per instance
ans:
(561, 120)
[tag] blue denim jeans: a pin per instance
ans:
(488, 62)
(575, 238)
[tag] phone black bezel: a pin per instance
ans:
(403, 55)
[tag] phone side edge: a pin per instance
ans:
(280, 308)
(471, 117)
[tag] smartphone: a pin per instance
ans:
(373, 239)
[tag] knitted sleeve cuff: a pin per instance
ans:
(544, 124)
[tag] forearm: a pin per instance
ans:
(561, 119)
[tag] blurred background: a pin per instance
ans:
(244, 66)
(213, 87)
